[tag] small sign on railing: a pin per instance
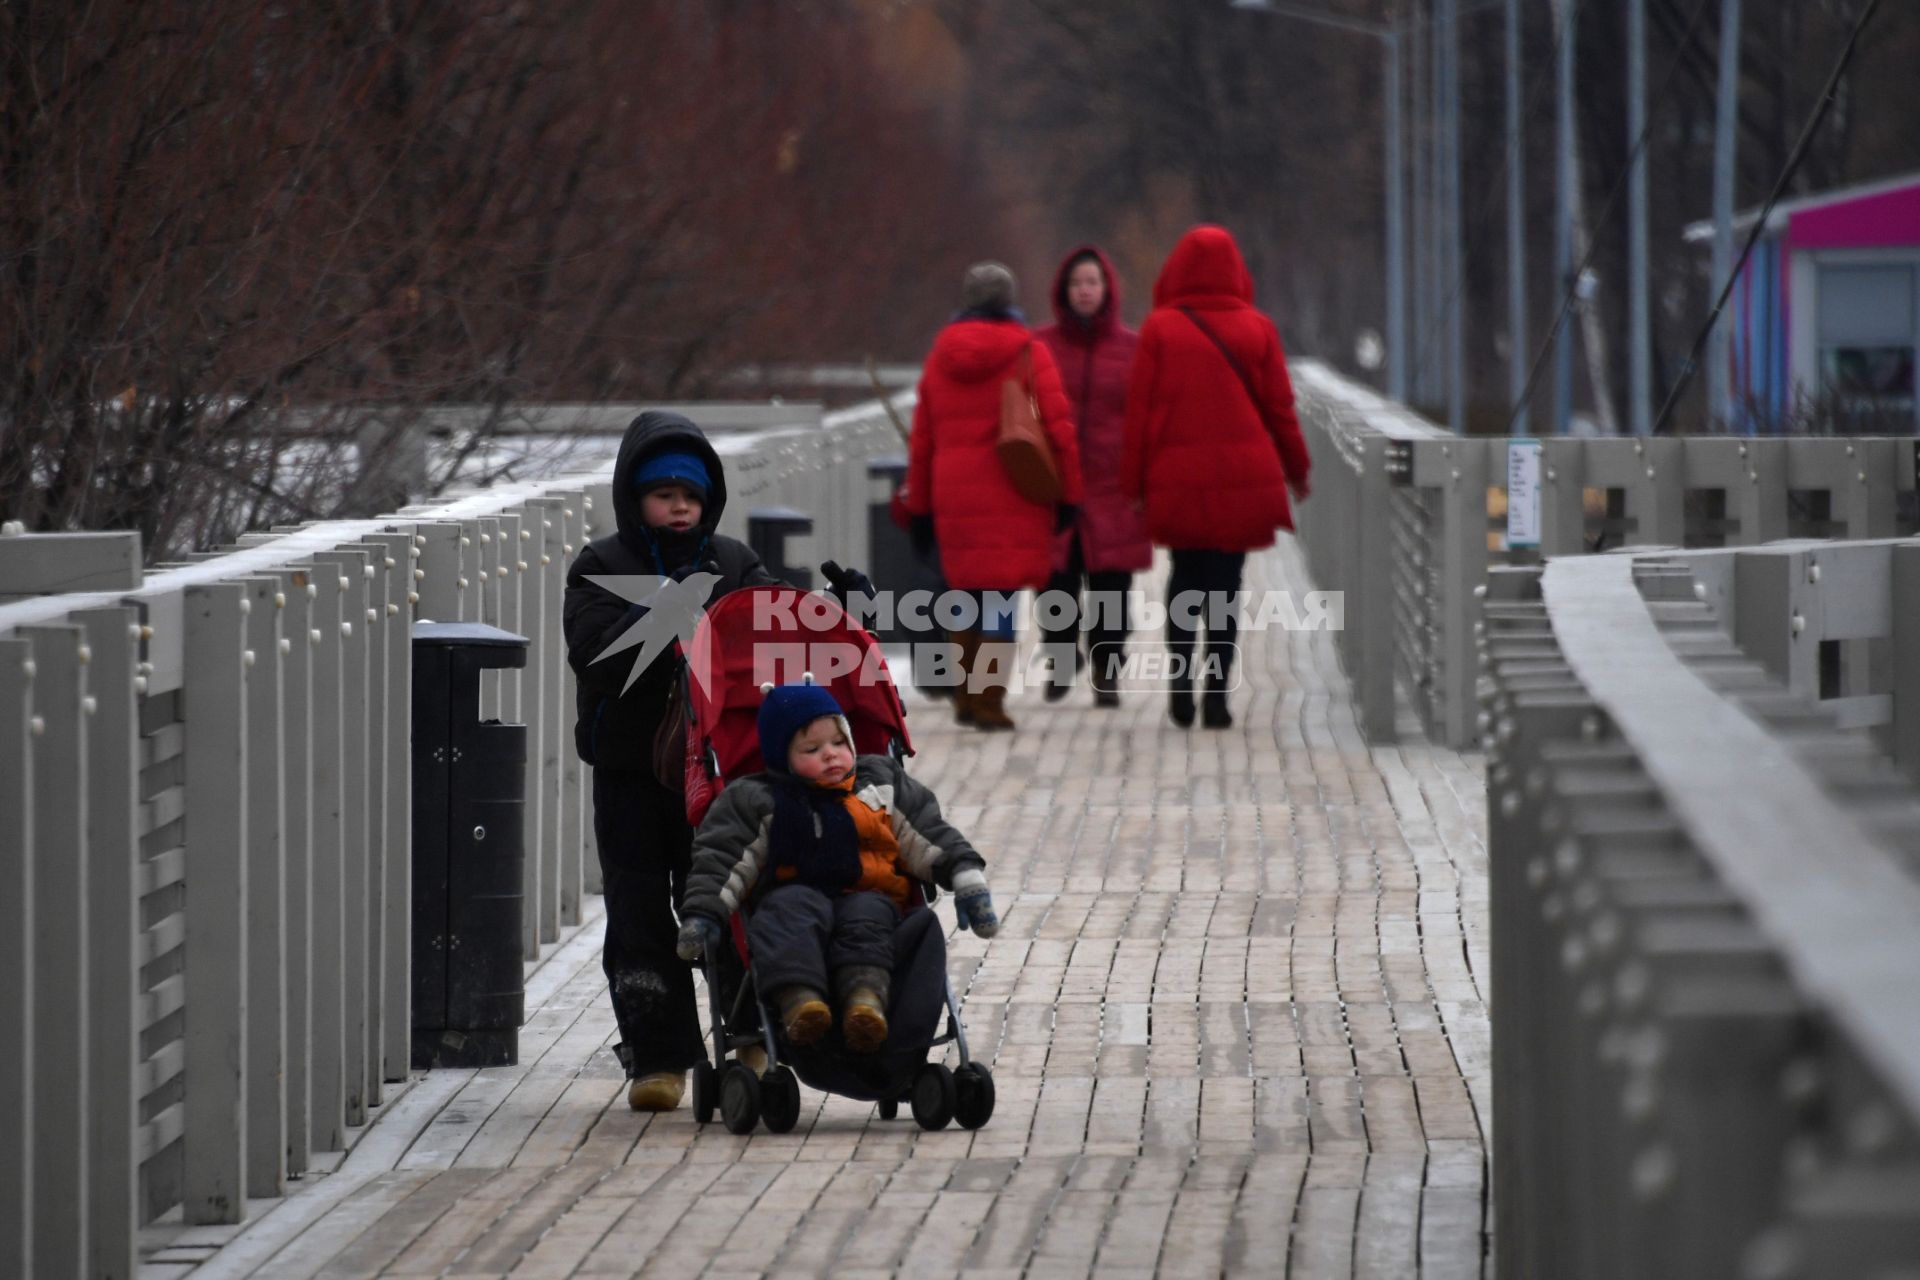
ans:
(1523, 493)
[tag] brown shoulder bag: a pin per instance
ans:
(1023, 447)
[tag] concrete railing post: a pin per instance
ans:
(1563, 514)
(266, 896)
(114, 933)
(1463, 571)
(1370, 587)
(213, 706)
(296, 772)
(1905, 605)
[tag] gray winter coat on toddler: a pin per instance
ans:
(730, 850)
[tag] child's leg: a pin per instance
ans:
(787, 935)
(861, 958)
(644, 845)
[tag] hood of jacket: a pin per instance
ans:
(1206, 264)
(976, 350)
(648, 434)
(1108, 316)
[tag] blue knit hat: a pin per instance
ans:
(673, 467)
(788, 709)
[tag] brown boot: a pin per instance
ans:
(804, 1015)
(863, 1006)
(965, 704)
(994, 661)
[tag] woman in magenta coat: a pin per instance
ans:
(1212, 448)
(993, 541)
(1106, 543)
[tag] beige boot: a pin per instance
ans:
(993, 660)
(659, 1091)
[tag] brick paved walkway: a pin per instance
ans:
(1236, 1018)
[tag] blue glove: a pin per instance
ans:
(699, 937)
(973, 904)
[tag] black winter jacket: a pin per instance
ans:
(615, 729)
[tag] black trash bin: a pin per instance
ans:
(469, 819)
(768, 529)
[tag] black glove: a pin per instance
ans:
(920, 529)
(847, 582)
(1063, 517)
(710, 564)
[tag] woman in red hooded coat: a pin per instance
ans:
(992, 540)
(1212, 448)
(1107, 543)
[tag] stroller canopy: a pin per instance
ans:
(779, 635)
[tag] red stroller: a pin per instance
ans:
(748, 638)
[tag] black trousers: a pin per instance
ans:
(800, 936)
(646, 847)
(1216, 574)
(1103, 615)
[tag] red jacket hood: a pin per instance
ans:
(975, 350)
(1205, 264)
(1109, 314)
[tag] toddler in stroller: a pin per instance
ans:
(826, 855)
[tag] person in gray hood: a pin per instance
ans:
(668, 494)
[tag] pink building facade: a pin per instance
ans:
(1828, 307)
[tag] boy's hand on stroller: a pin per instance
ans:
(973, 904)
(698, 937)
(709, 564)
(848, 582)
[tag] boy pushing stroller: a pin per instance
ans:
(822, 851)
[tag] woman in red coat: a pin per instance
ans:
(1107, 543)
(993, 542)
(1212, 448)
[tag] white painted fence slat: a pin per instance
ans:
(296, 835)
(378, 789)
(266, 956)
(349, 565)
(437, 572)
(596, 513)
(326, 914)
(214, 709)
(561, 893)
(395, 720)
(573, 855)
(16, 955)
(542, 838)
(60, 952)
(113, 929)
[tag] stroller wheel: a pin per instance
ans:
(933, 1096)
(889, 1108)
(973, 1095)
(739, 1098)
(705, 1094)
(779, 1100)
